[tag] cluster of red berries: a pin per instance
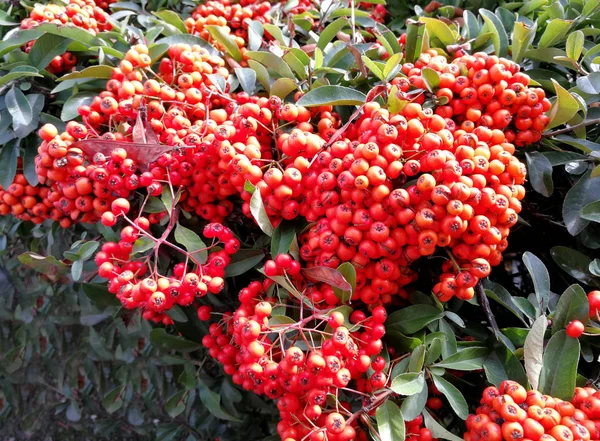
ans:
(511, 413)
(231, 18)
(299, 363)
(587, 399)
(84, 14)
(29, 203)
(136, 282)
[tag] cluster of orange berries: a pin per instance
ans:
(231, 18)
(84, 14)
(511, 413)
(299, 363)
(28, 202)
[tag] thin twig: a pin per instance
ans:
(485, 305)
(585, 123)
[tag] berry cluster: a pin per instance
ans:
(299, 363)
(136, 281)
(511, 413)
(231, 18)
(29, 203)
(84, 14)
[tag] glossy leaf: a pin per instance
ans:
(572, 305)
(541, 278)
(390, 423)
(243, 261)
(161, 339)
(332, 95)
(540, 173)
(408, 384)
(564, 108)
(412, 318)
(574, 263)
(559, 371)
(453, 395)
(260, 215)
(8, 163)
(192, 243)
(468, 359)
(18, 106)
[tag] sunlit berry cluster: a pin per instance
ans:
(299, 363)
(511, 413)
(84, 14)
(231, 18)
(136, 280)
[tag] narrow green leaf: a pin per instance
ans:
(541, 278)
(564, 108)
(413, 318)
(540, 173)
(226, 40)
(575, 45)
(257, 208)
(18, 106)
(468, 359)
(455, 397)
(555, 31)
(522, 37)
(172, 18)
(8, 163)
(330, 31)
(440, 30)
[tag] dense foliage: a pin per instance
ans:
(300, 220)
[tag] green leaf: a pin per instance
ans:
(468, 359)
(572, 305)
(541, 278)
(579, 196)
(282, 238)
(540, 173)
(142, 245)
(113, 400)
(95, 72)
(555, 31)
(502, 365)
(172, 18)
(46, 48)
(282, 87)
(247, 79)
(574, 263)
(348, 271)
(440, 30)
(212, 401)
(437, 430)
(373, 67)
(272, 62)
(559, 371)
(46, 265)
(243, 261)
(99, 295)
(226, 40)
(392, 66)
(564, 108)
(408, 384)
(161, 339)
(192, 243)
(73, 412)
(69, 110)
(434, 351)
(261, 74)
(534, 350)
(18, 73)
(431, 78)
(18, 106)
(414, 40)
(390, 423)
(257, 208)
(8, 163)
(591, 211)
(575, 45)
(413, 405)
(417, 359)
(330, 32)
(413, 318)
(522, 37)
(296, 64)
(499, 37)
(388, 40)
(177, 402)
(255, 34)
(455, 397)
(177, 314)
(332, 95)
